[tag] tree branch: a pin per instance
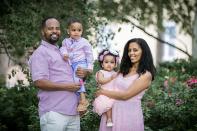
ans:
(160, 40)
(6, 50)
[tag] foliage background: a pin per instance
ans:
(166, 107)
(20, 20)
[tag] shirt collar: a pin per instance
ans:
(48, 45)
(75, 40)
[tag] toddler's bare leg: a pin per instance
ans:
(83, 103)
(109, 118)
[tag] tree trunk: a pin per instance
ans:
(160, 49)
(194, 40)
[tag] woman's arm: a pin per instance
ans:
(135, 88)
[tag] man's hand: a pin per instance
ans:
(82, 73)
(66, 57)
(73, 87)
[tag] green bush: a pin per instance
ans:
(18, 110)
(90, 122)
(169, 104)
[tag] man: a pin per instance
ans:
(53, 76)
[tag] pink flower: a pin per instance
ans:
(192, 82)
(165, 84)
(179, 102)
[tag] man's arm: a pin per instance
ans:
(51, 86)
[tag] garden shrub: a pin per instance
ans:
(18, 110)
(170, 103)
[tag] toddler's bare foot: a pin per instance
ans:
(109, 123)
(83, 105)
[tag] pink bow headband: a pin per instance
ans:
(115, 53)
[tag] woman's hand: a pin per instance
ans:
(99, 92)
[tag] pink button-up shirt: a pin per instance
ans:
(47, 63)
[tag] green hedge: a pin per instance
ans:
(168, 105)
(18, 110)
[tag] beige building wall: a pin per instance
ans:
(182, 41)
(5, 63)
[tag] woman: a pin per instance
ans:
(135, 75)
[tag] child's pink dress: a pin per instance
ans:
(126, 114)
(103, 103)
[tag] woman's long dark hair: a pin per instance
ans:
(146, 61)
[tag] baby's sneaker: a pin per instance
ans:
(109, 124)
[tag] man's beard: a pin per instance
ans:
(53, 38)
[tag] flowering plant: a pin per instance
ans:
(192, 82)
